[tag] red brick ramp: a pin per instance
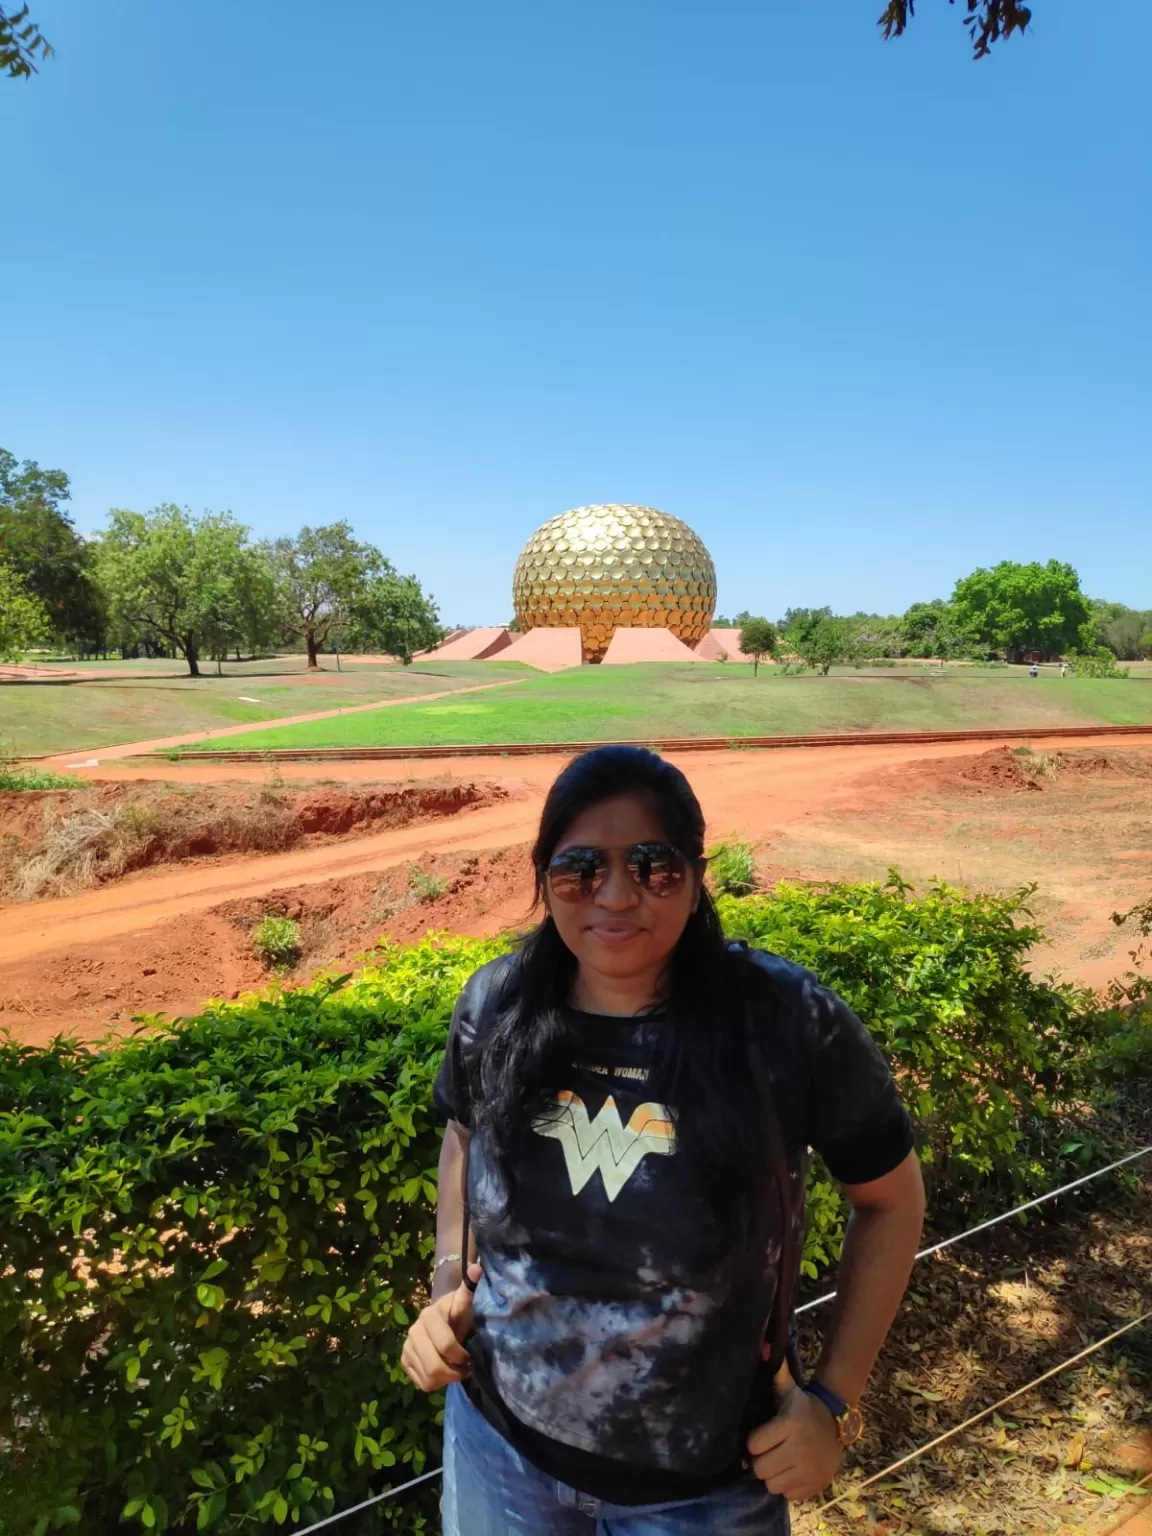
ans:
(550, 650)
(474, 645)
(717, 641)
(629, 645)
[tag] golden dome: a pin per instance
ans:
(612, 567)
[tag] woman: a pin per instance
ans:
(630, 1101)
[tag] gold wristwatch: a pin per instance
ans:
(848, 1418)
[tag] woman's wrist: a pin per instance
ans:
(447, 1274)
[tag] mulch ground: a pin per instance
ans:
(983, 1319)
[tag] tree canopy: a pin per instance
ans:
(24, 620)
(758, 638)
(827, 641)
(320, 576)
(38, 541)
(1022, 608)
(193, 580)
(394, 614)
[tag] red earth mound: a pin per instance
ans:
(56, 841)
(173, 967)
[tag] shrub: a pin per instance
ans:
(1098, 663)
(276, 941)
(213, 1241)
(215, 1236)
(732, 868)
(12, 777)
(424, 886)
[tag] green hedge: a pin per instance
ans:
(212, 1238)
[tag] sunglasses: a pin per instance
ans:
(578, 873)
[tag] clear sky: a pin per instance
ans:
(865, 315)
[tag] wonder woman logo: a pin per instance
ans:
(604, 1143)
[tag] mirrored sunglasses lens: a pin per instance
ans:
(575, 874)
(657, 867)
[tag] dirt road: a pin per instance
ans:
(747, 794)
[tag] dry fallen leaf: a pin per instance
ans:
(1075, 1452)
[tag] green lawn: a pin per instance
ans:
(62, 716)
(655, 701)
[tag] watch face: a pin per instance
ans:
(851, 1424)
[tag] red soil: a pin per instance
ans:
(62, 956)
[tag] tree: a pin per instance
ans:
(38, 541)
(320, 576)
(184, 578)
(20, 43)
(827, 641)
(987, 21)
(1023, 608)
(24, 620)
(1120, 628)
(758, 638)
(395, 615)
(932, 629)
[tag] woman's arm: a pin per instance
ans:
(797, 1453)
(879, 1247)
(450, 1206)
(434, 1353)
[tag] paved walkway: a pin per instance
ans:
(83, 757)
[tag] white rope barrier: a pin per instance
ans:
(425, 1477)
(959, 1429)
(1005, 1216)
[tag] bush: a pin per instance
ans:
(1098, 663)
(276, 941)
(12, 777)
(732, 869)
(215, 1236)
(213, 1241)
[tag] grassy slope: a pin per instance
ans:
(57, 717)
(654, 701)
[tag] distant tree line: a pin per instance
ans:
(1010, 611)
(171, 582)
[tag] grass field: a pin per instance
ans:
(60, 716)
(655, 701)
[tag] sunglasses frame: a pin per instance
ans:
(596, 883)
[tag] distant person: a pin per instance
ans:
(1033, 670)
(630, 1099)
(1063, 669)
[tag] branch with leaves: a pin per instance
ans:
(21, 44)
(987, 20)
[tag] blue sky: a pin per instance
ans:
(866, 316)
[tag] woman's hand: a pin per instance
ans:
(798, 1452)
(434, 1353)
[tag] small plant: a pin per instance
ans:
(36, 778)
(732, 869)
(276, 941)
(425, 886)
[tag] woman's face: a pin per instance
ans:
(621, 930)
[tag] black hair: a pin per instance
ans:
(702, 1070)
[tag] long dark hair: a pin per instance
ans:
(702, 1071)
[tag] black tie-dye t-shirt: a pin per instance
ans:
(617, 1329)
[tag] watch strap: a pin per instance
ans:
(836, 1406)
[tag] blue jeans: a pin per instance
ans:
(490, 1490)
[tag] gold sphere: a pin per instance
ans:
(611, 567)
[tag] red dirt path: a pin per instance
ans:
(169, 921)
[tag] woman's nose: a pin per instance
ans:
(618, 891)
